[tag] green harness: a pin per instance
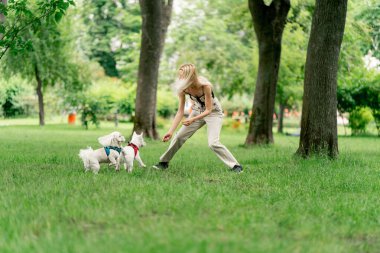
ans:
(108, 149)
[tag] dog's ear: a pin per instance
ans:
(106, 140)
(142, 133)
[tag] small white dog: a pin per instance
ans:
(108, 154)
(131, 152)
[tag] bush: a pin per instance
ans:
(359, 119)
(16, 98)
(89, 114)
(236, 103)
(363, 91)
(167, 103)
(162, 123)
(102, 100)
(11, 105)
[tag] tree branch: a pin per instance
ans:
(281, 7)
(48, 13)
(257, 9)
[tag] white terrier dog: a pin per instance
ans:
(108, 154)
(131, 152)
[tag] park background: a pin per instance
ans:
(87, 57)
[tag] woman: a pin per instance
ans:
(206, 109)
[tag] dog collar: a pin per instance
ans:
(135, 148)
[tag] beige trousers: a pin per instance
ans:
(214, 125)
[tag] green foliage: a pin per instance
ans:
(113, 36)
(359, 119)
(106, 96)
(76, 80)
(362, 91)
(356, 38)
(350, 58)
(218, 37)
(370, 15)
(90, 110)
(376, 115)
(16, 99)
(293, 57)
(345, 101)
(300, 14)
(22, 15)
(207, 35)
(167, 103)
(49, 54)
(52, 59)
(11, 105)
(238, 103)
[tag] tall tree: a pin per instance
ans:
(112, 36)
(155, 21)
(48, 62)
(269, 22)
(39, 63)
(319, 110)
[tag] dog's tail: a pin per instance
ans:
(87, 156)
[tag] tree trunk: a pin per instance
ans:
(319, 119)
(269, 23)
(2, 17)
(280, 126)
(155, 21)
(40, 97)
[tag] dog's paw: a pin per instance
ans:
(142, 166)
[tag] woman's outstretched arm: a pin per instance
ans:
(178, 117)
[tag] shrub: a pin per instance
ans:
(90, 111)
(16, 98)
(103, 99)
(362, 92)
(236, 103)
(166, 103)
(162, 123)
(359, 119)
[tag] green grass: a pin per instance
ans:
(279, 204)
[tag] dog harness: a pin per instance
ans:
(135, 148)
(108, 149)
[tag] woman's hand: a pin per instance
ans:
(188, 122)
(167, 137)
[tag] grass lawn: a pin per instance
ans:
(279, 204)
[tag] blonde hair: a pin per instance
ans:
(187, 73)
